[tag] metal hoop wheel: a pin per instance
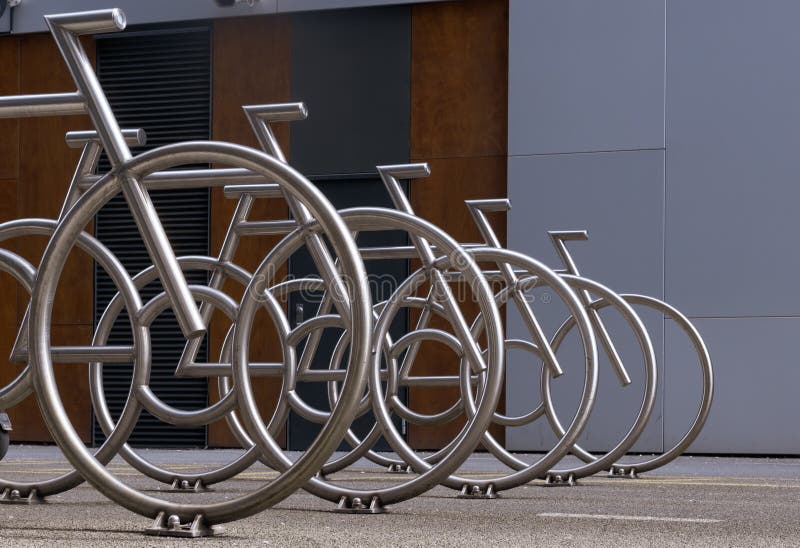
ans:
(22, 386)
(522, 471)
(704, 359)
(491, 369)
(594, 464)
(363, 447)
(533, 274)
(359, 321)
(289, 400)
(223, 409)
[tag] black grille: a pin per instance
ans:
(159, 80)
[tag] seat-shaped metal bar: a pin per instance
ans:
(66, 28)
(478, 209)
(559, 239)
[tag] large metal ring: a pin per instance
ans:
(294, 185)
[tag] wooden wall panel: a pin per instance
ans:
(8, 286)
(72, 382)
(9, 174)
(35, 169)
(46, 166)
(9, 129)
(459, 79)
(458, 122)
(459, 103)
(251, 66)
(456, 180)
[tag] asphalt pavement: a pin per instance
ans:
(696, 501)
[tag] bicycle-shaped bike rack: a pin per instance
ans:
(368, 367)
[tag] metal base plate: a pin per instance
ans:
(357, 506)
(479, 496)
(13, 496)
(185, 532)
(172, 527)
(366, 510)
(623, 473)
(476, 492)
(551, 480)
(398, 469)
(185, 486)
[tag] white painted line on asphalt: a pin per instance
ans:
(626, 518)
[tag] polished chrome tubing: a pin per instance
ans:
(23, 387)
(604, 297)
(237, 226)
(236, 181)
(85, 196)
(440, 289)
(260, 118)
(279, 227)
(524, 308)
(558, 239)
(53, 104)
(359, 325)
(66, 29)
(343, 285)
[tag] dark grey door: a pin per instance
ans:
(384, 277)
(353, 69)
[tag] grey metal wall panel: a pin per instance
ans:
(28, 16)
(585, 75)
(732, 145)
(615, 407)
(353, 70)
(307, 5)
(5, 22)
(618, 197)
(755, 401)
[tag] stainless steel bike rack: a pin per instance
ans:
(367, 368)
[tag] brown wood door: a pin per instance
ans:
(459, 105)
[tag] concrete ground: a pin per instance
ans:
(695, 501)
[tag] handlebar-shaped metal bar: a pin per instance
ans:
(236, 191)
(279, 112)
(50, 104)
(406, 171)
(65, 30)
(197, 178)
(490, 204)
(61, 104)
(558, 238)
(78, 139)
(89, 22)
(568, 235)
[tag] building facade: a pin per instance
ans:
(383, 84)
(666, 128)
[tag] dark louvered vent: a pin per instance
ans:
(159, 80)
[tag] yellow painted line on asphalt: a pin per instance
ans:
(8, 461)
(355, 476)
(647, 477)
(12, 464)
(389, 479)
(718, 484)
(626, 518)
(40, 471)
